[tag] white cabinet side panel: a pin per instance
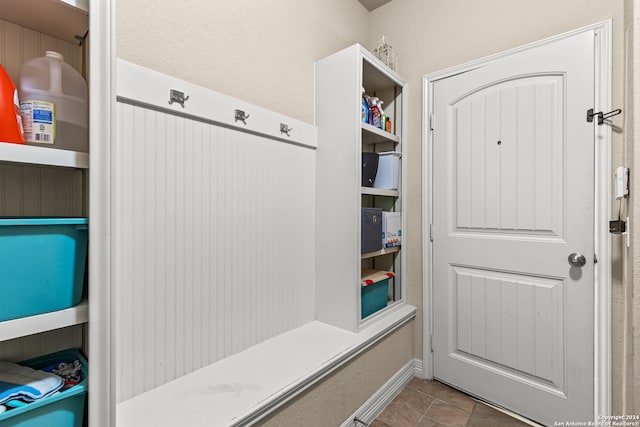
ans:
(214, 243)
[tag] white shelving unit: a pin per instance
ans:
(342, 137)
(24, 326)
(49, 19)
(33, 155)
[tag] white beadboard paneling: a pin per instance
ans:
(215, 243)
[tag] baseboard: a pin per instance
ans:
(374, 406)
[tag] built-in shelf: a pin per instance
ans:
(370, 191)
(31, 154)
(23, 326)
(46, 16)
(384, 251)
(374, 135)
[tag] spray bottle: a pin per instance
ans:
(364, 108)
(10, 121)
(375, 112)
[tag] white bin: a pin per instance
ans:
(388, 176)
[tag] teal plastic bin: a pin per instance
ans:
(42, 265)
(374, 291)
(64, 409)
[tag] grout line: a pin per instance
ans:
(511, 414)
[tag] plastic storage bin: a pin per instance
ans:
(374, 291)
(42, 264)
(371, 230)
(388, 176)
(63, 409)
(369, 168)
(53, 81)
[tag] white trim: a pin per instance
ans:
(102, 378)
(374, 406)
(602, 272)
(141, 85)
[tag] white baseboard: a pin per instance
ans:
(374, 406)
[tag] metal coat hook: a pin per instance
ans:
(242, 116)
(601, 115)
(177, 96)
(284, 128)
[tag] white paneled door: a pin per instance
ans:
(513, 200)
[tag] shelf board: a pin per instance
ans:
(21, 153)
(46, 16)
(24, 326)
(384, 251)
(379, 192)
(374, 135)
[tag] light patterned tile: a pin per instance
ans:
(486, 416)
(406, 409)
(447, 414)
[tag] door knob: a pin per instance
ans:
(576, 259)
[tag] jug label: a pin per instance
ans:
(39, 121)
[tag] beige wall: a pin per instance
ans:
(258, 51)
(432, 35)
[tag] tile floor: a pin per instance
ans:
(425, 403)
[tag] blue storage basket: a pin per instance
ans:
(42, 264)
(64, 409)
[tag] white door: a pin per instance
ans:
(513, 198)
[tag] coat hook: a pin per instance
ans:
(601, 116)
(177, 96)
(284, 128)
(242, 116)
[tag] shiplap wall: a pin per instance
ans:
(214, 230)
(34, 190)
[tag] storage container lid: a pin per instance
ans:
(369, 277)
(390, 153)
(42, 221)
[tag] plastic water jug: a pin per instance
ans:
(10, 120)
(48, 83)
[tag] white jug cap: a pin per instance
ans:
(52, 54)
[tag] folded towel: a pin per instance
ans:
(21, 382)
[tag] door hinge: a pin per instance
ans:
(431, 342)
(431, 232)
(431, 121)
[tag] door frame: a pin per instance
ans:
(602, 207)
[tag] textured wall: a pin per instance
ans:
(258, 51)
(433, 35)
